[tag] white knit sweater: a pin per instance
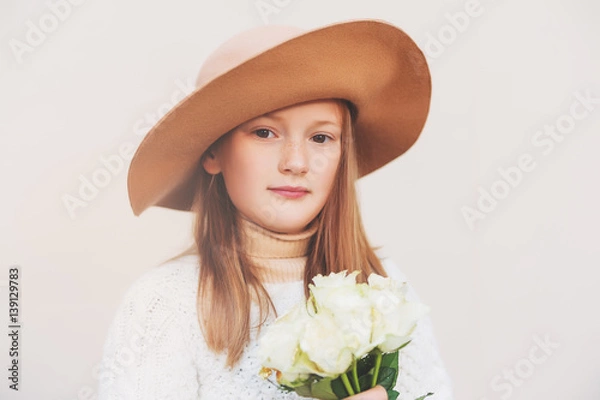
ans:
(155, 349)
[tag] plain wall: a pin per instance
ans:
(524, 272)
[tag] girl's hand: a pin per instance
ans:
(376, 393)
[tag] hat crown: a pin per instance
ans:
(242, 47)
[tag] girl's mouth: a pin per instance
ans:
(291, 194)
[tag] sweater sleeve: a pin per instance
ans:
(420, 366)
(146, 353)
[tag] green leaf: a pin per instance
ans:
(426, 395)
(364, 381)
(284, 388)
(390, 360)
(392, 394)
(386, 377)
(321, 389)
(365, 364)
(304, 391)
(338, 388)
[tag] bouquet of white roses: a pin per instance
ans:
(343, 340)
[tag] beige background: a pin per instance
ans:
(526, 272)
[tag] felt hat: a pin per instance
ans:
(369, 62)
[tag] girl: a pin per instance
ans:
(266, 153)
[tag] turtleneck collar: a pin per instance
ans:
(260, 242)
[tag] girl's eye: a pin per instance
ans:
(262, 132)
(320, 138)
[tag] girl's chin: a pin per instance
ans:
(294, 221)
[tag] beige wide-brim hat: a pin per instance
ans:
(371, 63)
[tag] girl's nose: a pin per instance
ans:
(294, 158)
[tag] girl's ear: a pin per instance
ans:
(211, 163)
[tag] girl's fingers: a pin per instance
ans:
(376, 393)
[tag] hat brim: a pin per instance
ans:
(371, 63)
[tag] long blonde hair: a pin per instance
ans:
(228, 281)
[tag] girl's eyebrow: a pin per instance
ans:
(323, 122)
(319, 122)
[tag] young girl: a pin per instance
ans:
(266, 153)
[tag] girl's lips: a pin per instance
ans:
(289, 194)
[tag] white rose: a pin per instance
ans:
(279, 346)
(325, 345)
(394, 318)
(350, 307)
(335, 279)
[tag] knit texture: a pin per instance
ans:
(154, 348)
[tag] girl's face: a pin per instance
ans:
(297, 146)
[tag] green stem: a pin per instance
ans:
(347, 384)
(355, 376)
(377, 366)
